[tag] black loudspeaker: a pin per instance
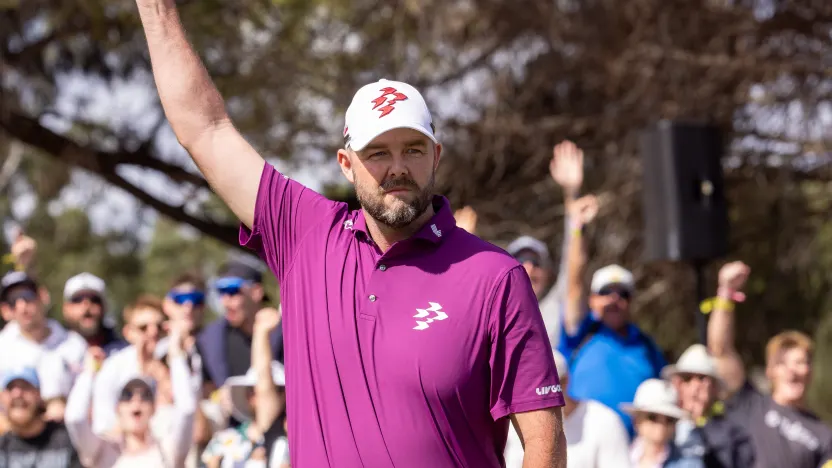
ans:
(685, 212)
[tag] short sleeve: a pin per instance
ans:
(523, 373)
(55, 376)
(284, 212)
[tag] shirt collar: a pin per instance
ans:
(439, 225)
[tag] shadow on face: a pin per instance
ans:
(135, 408)
(84, 312)
(612, 304)
(655, 428)
(696, 392)
(25, 305)
(241, 301)
(394, 176)
(22, 402)
(539, 274)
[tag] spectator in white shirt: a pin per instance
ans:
(38, 342)
(133, 444)
(143, 322)
(595, 435)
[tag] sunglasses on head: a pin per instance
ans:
(79, 298)
(197, 298)
(659, 418)
(144, 394)
(25, 295)
(610, 290)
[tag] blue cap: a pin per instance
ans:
(26, 374)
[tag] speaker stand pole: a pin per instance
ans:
(701, 319)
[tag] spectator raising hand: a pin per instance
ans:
(567, 168)
(23, 251)
(466, 218)
(583, 210)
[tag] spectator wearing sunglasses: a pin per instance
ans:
(32, 440)
(226, 343)
(38, 342)
(133, 444)
(185, 304)
(84, 311)
(609, 355)
(143, 327)
(655, 413)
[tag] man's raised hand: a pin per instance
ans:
(466, 218)
(584, 209)
(567, 167)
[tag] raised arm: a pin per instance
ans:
(77, 417)
(268, 402)
(196, 111)
(567, 169)
(721, 337)
(184, 399)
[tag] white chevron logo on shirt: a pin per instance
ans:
(424, 314)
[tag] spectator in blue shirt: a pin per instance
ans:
(609, 356)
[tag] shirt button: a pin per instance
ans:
(372, 297)
(382, 267)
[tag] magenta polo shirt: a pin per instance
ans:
(410, 358)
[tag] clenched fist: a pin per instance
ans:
(732, 278)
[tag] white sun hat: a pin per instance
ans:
(383, 106)
(609, 275)
(655, 396)
(695, 360)
(239, 385)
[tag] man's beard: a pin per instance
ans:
(86, 332)
(398, 217)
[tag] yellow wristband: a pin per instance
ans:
(714, 303)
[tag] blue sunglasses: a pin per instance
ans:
(230, 286)
(197, 298)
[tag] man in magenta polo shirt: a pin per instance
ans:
(408, 341)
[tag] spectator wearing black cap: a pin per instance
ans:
(38, 342)
(31, 440)
(226, 343)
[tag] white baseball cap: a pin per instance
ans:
(612, 274)
(529, 243)
(383, 106)
(84, 282)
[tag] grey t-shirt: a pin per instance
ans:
(49, 449)
(782, 436)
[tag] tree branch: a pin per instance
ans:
(105, 165)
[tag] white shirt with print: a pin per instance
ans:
(595, 438)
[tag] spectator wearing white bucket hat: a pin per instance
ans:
(719, 441)
(655, 413)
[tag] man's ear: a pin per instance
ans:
(346, 164)
(438, 150)
(257, 292)
(6, 311)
